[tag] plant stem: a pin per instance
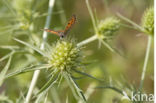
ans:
(110, 48)
(87, 40)
(90, 90)
(111, 87)
(137, 27)
(37, 72)
(145, 62)
(91, 14)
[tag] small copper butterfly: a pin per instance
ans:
(63, 33)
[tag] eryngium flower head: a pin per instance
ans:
(65, 55)
(108, 26)
(148, 21)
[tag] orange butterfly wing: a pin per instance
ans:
(68, 27)
(70, 24)
(53, 32)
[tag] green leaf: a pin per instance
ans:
(71, 86)
(107, 45)
(5, 99)
(31, 46)
(111, 48)
(67, 101)
(4, 71)
(21, 97)
(110, 87)
(7, 31)
(9, 6)
(40, 97)
(55, 95)
(28, 69)
(49, 84)
(76, 87)
(9, 47)
(79, 91)
(7, 56)
(85, 74)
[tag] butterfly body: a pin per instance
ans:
(63, 33)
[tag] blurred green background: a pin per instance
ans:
(122, 70)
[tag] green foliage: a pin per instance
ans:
(64, 64)
(4, 71)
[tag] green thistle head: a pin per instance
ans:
(148, 21)
(65, 55)
(109, 26)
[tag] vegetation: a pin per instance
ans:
(105, 57)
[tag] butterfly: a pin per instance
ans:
(63, 33)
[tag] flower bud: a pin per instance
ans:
(108, 26)
(148, 21)
(65, 55)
